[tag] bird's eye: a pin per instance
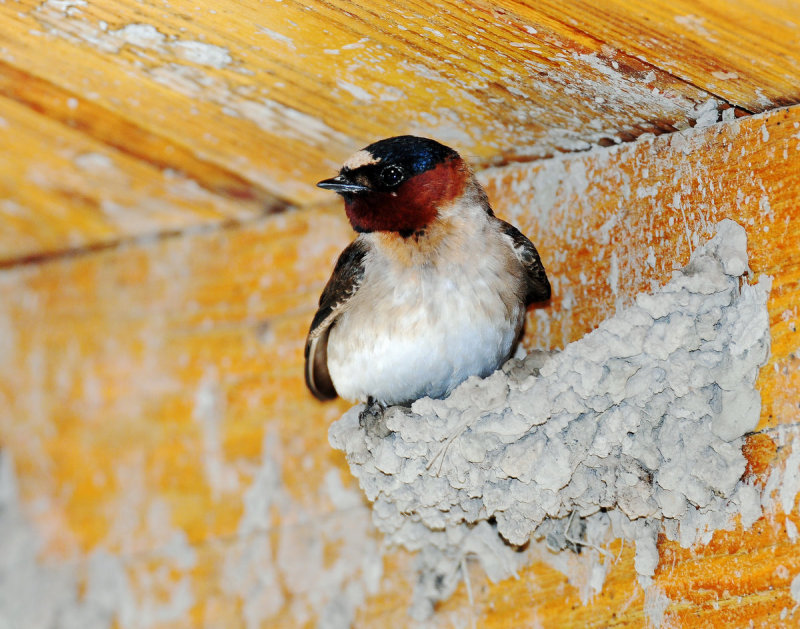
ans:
(392, 175)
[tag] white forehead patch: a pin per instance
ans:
(362, 158)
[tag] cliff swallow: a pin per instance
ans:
(434, 288)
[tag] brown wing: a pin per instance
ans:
(537, 284)
(341, 287)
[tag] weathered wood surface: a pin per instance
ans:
(63, 190)
(746, 52)
(254, 101)
(151, 396)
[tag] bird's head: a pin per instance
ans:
(399, 184)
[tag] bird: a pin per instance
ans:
(434, 288)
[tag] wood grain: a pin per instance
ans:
(746, 52)
(255, 101)
(62, 190)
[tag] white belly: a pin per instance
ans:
(423, 334)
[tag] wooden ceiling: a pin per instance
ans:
(131, 118)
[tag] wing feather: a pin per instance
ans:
(537, 285)
(343, 284)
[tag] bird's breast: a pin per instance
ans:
(420, 328)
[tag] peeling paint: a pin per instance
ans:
(209, 412)
(202, 53)
(259, 575)
(94, 162)
(92, 594)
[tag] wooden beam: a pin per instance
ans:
(253, 102)
(746, 52)
(63, 190)
(280, 93)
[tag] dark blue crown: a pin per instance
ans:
(414, 153)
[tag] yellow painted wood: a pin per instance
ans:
(146, 388)
(61, 189)
(746, 51)
(255, 101)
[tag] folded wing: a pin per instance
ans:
(343, 284)
(537, 284)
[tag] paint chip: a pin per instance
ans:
(202, 54)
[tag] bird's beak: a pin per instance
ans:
(342, 185)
